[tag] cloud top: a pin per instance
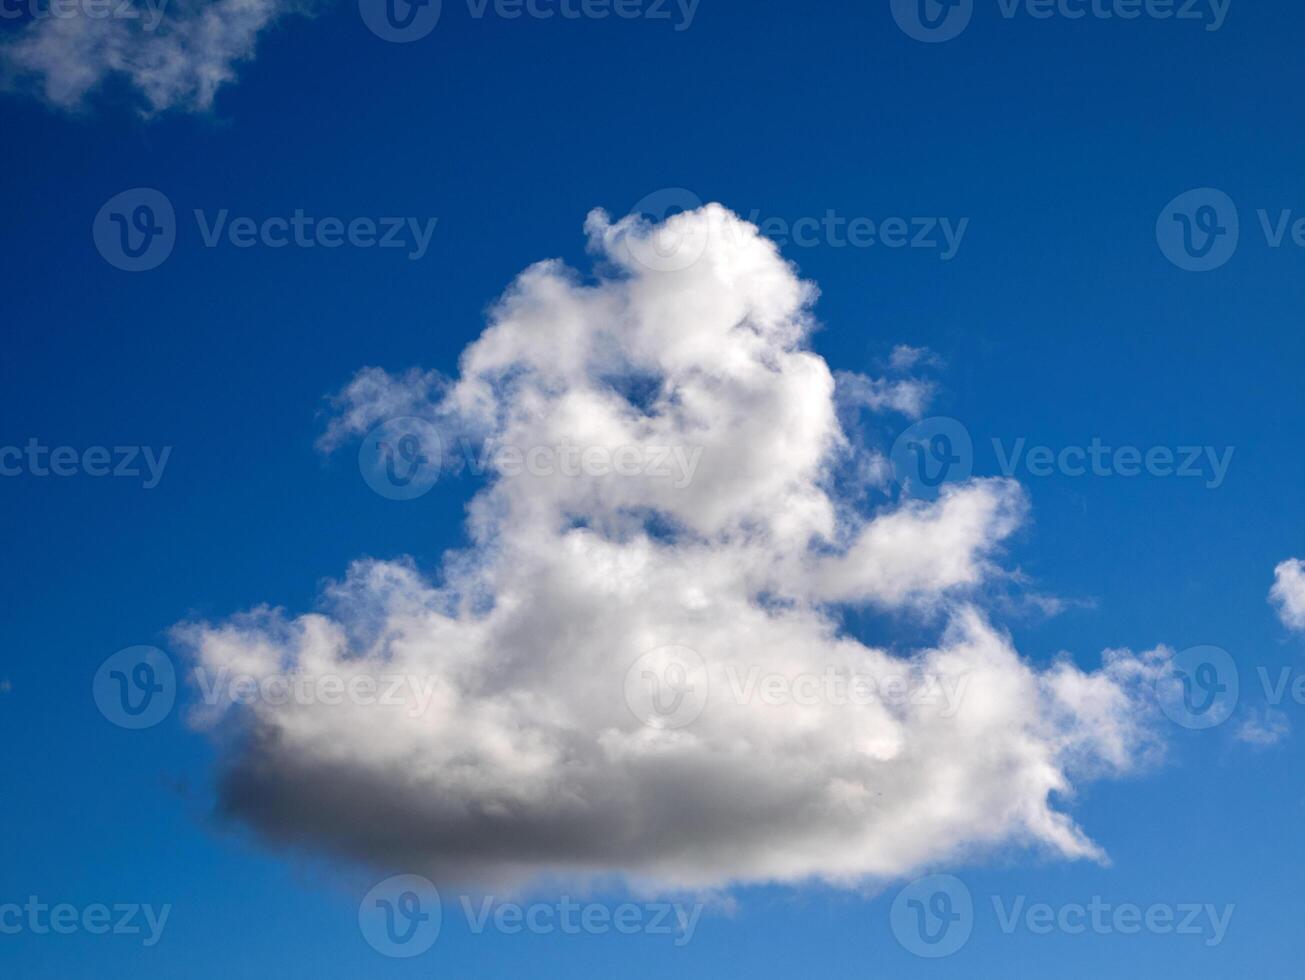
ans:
(1288, 593)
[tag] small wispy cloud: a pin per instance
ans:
(906, 357)
(174, 55)
(1264, 727)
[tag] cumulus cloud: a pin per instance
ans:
(1288, 593)
(525, 745)
(174, 53)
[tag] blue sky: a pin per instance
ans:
(1058, 320)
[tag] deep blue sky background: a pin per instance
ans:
(1059, 321)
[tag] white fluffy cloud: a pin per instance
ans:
(1288, 593)
(525, 756)
(175, 54)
